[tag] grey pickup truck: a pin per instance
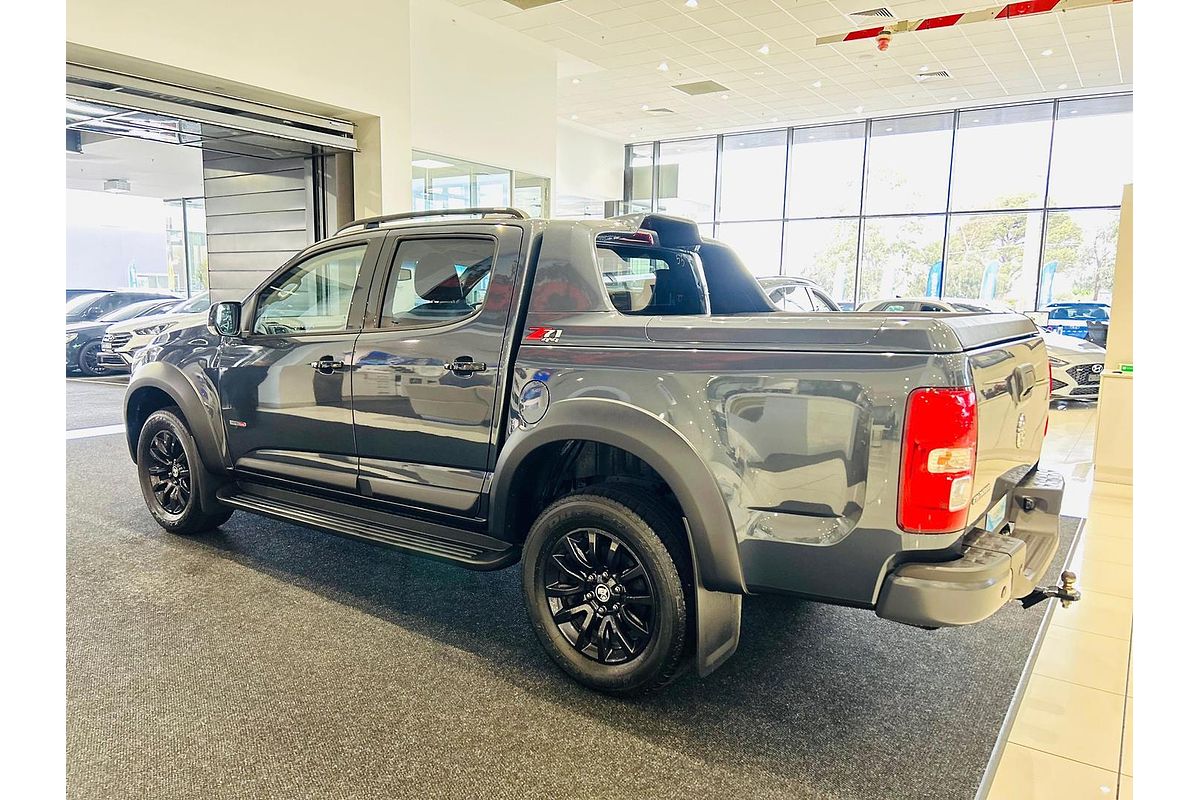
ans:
(617, 407)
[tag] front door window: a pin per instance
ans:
(311, 297)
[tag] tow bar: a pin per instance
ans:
(1066, 593)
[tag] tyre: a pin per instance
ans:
(89, 360)
(175, 486)
(605, 572)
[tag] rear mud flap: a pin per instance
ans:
(718, 622)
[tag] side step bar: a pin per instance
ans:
(419, 537)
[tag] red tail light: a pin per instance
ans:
(937, 462)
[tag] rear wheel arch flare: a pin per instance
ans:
(631, 430)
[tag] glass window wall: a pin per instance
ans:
(687, 174)
(752, 175)
(825, 171)
(1013, 205)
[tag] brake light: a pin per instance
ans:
(937, 461)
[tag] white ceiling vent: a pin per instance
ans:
(659, 112)
(700, 87)
(936, 75)
(883, 12)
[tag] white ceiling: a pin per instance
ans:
(153, 169)
(611, 50)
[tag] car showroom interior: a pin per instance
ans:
(582, 398)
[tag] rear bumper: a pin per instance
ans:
(993, 568)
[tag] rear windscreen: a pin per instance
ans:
(646, 281)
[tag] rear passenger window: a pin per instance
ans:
(435, 281)
(643, 281)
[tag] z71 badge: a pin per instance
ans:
(546, 335)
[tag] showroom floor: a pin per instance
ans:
(276, 661)
(1072, 732)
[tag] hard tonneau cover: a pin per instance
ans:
(863, 332)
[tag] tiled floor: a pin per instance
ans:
(1072, 732)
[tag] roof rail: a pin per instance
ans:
(369, 223)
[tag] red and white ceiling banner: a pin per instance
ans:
(1007, 11)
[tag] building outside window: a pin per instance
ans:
(440, 182)
(1015, 205)
(187, 249)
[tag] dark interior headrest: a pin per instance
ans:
(436, 280)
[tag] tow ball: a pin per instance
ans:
(1066, 593)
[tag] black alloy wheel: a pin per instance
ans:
(605, 571)
(170, 475)
(599, 596)
(89, 360)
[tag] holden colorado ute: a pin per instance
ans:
(615, 406)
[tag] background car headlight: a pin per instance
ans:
(71, 337)
(152, 329)
(1058, 362)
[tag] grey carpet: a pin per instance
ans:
(269, 661)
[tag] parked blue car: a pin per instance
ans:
(1081, 320)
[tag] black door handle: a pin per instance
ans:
(464, 365)
(327, 365)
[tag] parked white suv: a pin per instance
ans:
(122, 341)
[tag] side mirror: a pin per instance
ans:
(225, 319)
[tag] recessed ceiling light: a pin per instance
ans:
(924, 68)
(759, 72)
(976, 120)
(691, 3)
(1048, 51)
(574, 116)
(816, 84)
(1062, 86)
(954, 99)
(724, 97)
(116, 186)
(699, 127)
(430, 163)
(576, 80)
(858, 109)
(765, 49)
(663, 67)
(645, 107)
(889, 130)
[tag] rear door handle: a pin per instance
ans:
(463, 365)
(327, 365)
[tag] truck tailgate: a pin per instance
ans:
(1012, 388)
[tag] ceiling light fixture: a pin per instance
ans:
(574, 116)
(576, 80)
(1048, 52)
(692, 3)
(724, 97)
(1062, 86)
(662, 67)
(645, 107)
(816, 84)
(858, 109)
(116, 186)
(765, 49)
